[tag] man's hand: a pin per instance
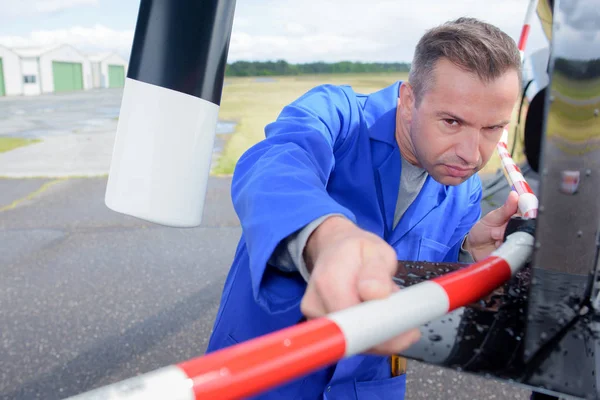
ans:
(348, 266)
(487, 234)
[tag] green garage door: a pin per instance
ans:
(67, 76)
(116, 76)
(2, 90)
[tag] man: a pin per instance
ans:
(345, 184)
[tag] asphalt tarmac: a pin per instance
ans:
(90, 296)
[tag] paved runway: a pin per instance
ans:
(90, 296)
(76, 133)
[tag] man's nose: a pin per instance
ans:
(468, 147)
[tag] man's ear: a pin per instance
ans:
(406, 101)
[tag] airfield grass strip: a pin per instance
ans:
(9, 143)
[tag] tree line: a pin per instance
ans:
(578, 69)
(282, 67)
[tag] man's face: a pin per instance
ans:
(454, 130)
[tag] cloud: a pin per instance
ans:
(294, 28)
(87, 39)
(312, 30)
(12, 8)
(381, 30)
(44, 6)
(298, 48)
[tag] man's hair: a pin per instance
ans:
(468, 43)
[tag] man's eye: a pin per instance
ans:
(451, 122)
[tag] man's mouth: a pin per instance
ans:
(458, 172)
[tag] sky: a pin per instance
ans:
(293, 30)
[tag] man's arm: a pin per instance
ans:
(289, 254)
(463, 255)
(485, 234)
(279, 185)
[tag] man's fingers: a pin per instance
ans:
(311, 305)
(334, 290)
(372, 289)
(498, 232)
(374, 280)
(501, 215)
(511, 205)
(507, 211)
(398, 343)
(338, 297)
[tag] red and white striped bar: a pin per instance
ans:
(263, 363)
(527, 26)
(528, 202)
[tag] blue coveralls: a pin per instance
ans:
(330, 151)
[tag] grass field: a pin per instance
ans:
(253, 103)
(576, 123)
(576, 89)
(573, 119)
(7, 144)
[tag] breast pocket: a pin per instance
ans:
(430, 250)
(382, 389)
